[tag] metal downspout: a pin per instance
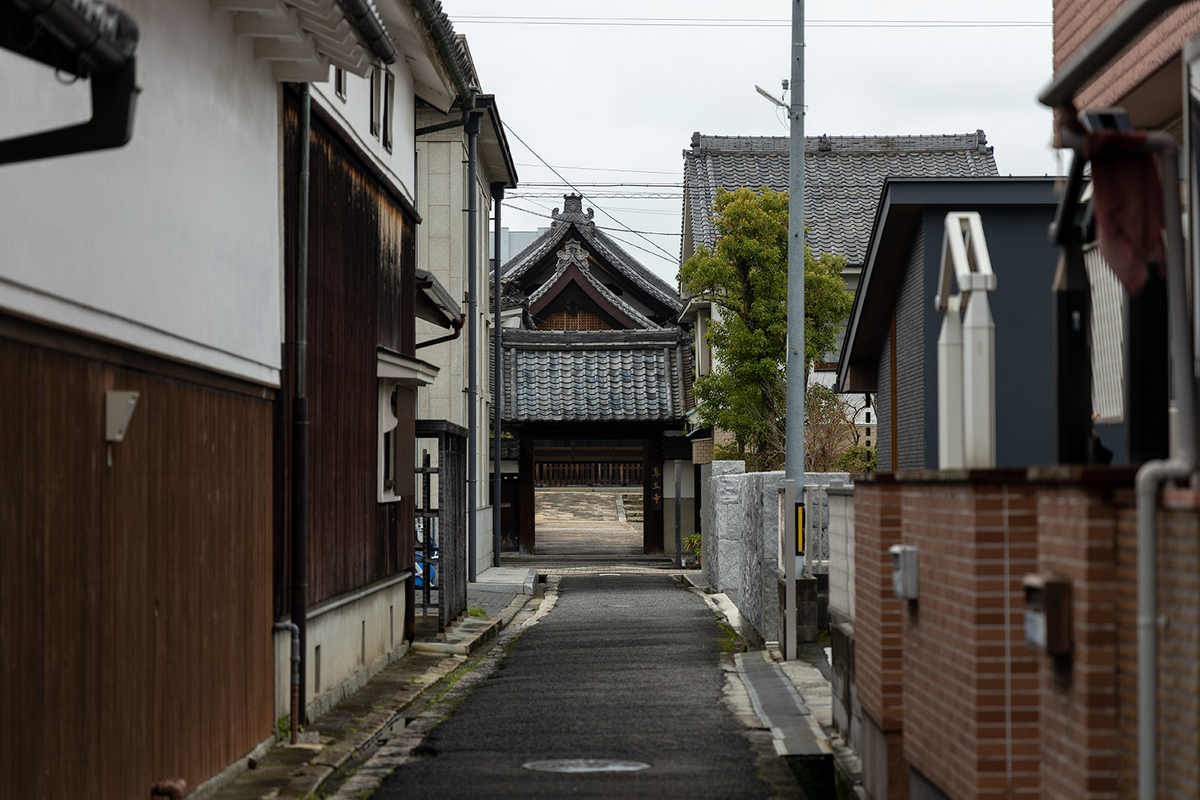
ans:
(472, 130)
(300, 410)
(497, 376)
(295, 631)
(1153, 474)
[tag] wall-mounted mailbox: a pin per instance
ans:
(904, 571)
(1048, 614)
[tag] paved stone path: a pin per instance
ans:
(583, 523)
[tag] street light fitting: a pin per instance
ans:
(770, 96)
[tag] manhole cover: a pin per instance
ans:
(585, 765)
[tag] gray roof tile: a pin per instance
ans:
(843, 177)
(595, 376)
(574, 218)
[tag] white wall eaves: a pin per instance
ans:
(301, 38)
(96, 323)
(431, 79)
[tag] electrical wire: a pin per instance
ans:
(597, 207)
(605, 169)
(718, 22)
(599, 227)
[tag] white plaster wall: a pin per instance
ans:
(170, 244)
(340, 635)
(354, 116)
(687, 479)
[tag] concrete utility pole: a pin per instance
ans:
(794, 465)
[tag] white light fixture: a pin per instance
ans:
(777, 101)
(118, 410)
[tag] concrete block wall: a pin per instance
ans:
(971, 686)
(841, 552)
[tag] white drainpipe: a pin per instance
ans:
(1153, 474)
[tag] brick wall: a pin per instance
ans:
(970, 683)
(878, 647)
(1077, 541)
(1076, 22)
(702, 451)
(1178, 650)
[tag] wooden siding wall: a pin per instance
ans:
(135, 602)
(361, 290)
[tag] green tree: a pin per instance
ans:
(745, 278)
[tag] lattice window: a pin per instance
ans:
(577, 321)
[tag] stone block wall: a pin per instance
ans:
(720, 539)
(760, 518)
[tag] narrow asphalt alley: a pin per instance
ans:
(623, 668)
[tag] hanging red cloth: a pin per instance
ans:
(1128, 200)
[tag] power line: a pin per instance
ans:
(717, 22)
(601, 227)
(607, 169)
(556, 172)
(618, 185)
(677, 195)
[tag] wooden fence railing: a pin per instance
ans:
(603, 473)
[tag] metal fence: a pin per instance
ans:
(441, 529)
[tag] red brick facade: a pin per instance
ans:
(879, 625)
(1076, 22)
(949, 683)
(1081, 754)
(970, 682)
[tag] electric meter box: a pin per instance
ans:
(1048, 614)
(904, 571)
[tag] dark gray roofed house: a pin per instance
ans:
(843, 177)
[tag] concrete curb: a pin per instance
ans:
(475, 632)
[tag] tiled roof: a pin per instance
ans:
(574, 218)
(843, 177)
(574, 255)
(595, 376)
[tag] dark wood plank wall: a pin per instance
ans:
(135, 607)
(361, 287)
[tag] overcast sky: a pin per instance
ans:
(623, 100)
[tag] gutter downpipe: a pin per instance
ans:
(300, 412)
(295, 630)
(497, 374)
(450, 337)
(472, 131)
(1153, 474)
